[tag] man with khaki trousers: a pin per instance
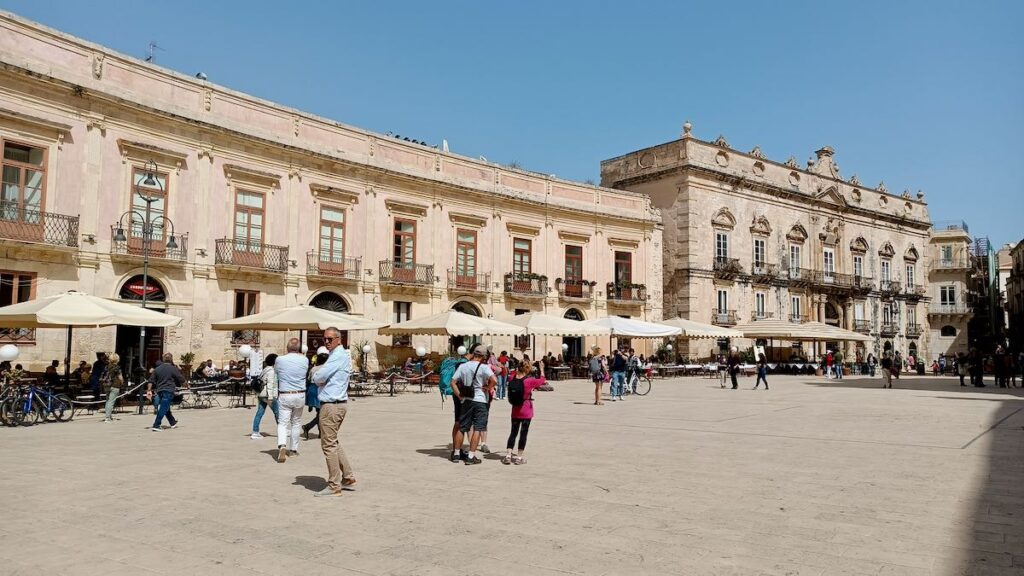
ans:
(332, 382)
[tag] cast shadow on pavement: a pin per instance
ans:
(311, 483)
(922, 383)
(438, 452)
(272, 453)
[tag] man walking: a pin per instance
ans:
(472, 385)
(166, 377)
(618, 369)
(887, 371)
(332, 381)
(291, 398)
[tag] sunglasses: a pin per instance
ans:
(329, 339)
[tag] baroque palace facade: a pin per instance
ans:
(747, 238)
(269, 207)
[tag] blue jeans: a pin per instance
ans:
(839, 371)
(261, 407)
(162, 401)
(502, 386)
(618, 381)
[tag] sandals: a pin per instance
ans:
(507, 459)
(517, 460)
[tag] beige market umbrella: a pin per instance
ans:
(841, 334)
(779, 328)
(631, 328)
(694, 329)
(547, 325)
(452, 323)
(74, 308)
(299, 317)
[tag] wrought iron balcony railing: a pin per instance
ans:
(727, 267)
(862, 283)
(578, 289)
(723, 317)
(955, 263)
(134, 245)
(17, 335)
(251, 254)
(913, 331)
(862, 326)
(889, 287)
(333, 266)
(762, 270)
(950, 309)
(626, 292)
(407, 273)
(889, 329)
(468, 282)
(251, 337)
(37, 227)
(525, 284)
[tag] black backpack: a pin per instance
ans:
(516, 392)
(256, 384)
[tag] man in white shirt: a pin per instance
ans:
(291, 398)
(472, 385)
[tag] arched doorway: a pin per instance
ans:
(469, 342)
(575, 343)
(126, 342)
(334, 303)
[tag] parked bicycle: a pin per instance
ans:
(29, 405)
(637, 382)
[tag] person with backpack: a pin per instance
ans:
(473, 383)
(266, 395)
(618, 369)
(112, 383)
(598, 370)
(503, 366)
(447, 372)
(520, 395)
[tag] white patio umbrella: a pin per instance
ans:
(299, 317)
(78, 309)
(630, 328)
(694, 330)
(547, 325)
(452, 323)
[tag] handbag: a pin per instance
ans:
(468, 391)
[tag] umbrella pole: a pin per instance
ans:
(67, 361)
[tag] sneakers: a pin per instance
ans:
(348, 484)
(305, 433)
(256, 436)
(282, 454)
(105, 420)
(326, 492)
(455, 457)
(507, 459)
(517, 460)
(155, 429)
(173, 426)
(473, 460)
(292, 453)
(485, 449)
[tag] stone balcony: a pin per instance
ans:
(723, 317)
(889, 329)
(913, 331)
(862, 326)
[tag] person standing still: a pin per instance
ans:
(112, 381)
(762, 372)
(291, 398)
(502, 375)
(837, 360)
(887, 371)
(473, 383)
(618, 368)
(522, 415)
(267, 395)
(332, 381)
(166, 377)
(597, 375)
(734, 369)
(98, 369)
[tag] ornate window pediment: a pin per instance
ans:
(859, 244)
(887, 250)
(831, 195)
(723, 219)
(334, 195)
(797, 234)
(911, 255)
(760, 226)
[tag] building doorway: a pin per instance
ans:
(126, 343)
(573, 345)
(831, 314)
(334, 303)
(468, 341)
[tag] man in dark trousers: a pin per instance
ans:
(734, 369)
(166, 377)
(99, 367)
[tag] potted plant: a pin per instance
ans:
(186, 360)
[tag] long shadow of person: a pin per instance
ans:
(311, 483)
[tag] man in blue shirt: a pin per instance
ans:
(332, 381)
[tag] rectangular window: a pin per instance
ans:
(15, 288)
(858, 311)
(522, 342)
(887, 314)
(795, 261)
(759, 301)
(624, 267)
(947, 295)
(911, 315)
(465, 257)
(721, 245)
(795, 310)
(248, 221)
(24, 178)
(400, 313)
(723, 301)
(828, 264)
(910, 277)
(574, 263)
(247, 302)
(886, 270)
(153, 185)
(332, 236)
(946, 255)
(759, 252)
(522, 253)
(404, 244)
(858, 266)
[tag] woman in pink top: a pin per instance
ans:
(521, 417)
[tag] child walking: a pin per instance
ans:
(522, 414)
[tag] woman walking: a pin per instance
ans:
(522, 415)
(762, 372)
(267, 395)
(113, 382)
(598, 372)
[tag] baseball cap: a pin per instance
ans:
(480, 350)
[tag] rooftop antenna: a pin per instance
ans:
(151, 50)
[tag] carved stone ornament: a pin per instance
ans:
(881, 188)
(723, 219)
(721, 141)
(797, 234)
(758, 168)
(911, 255)
(207, 99)
(97, 65)
(887, 251)
(687, 129)
(757, 153)
(831, 231)
(854, 180)
(859, 244)
(856, 196)
(791, 162)
(760, 226)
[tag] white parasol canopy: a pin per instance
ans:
(453, 323)
(630, 328)
(299, 317)
(548, 325)
(73, 309)
(693, 329)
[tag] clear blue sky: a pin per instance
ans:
(923, 95)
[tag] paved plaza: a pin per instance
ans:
(813, 477)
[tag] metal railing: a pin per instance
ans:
(950, 225)
(579, 289)
(948, 309)
(333, 265)
(862, 326)
(28, 225)
(913, 330)
(468, 282)
(889, 329)
(890, 287)
(727, 266)
(763, 270)
(861, 282)
(631, 293)
(723, 317)
(251, 254)
(525, 284)
(133, 245)
(239, 337)
(17, 335)
(406, 273)
(955, 263)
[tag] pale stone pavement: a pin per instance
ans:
(810, 478)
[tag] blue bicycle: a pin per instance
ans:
(30, 405)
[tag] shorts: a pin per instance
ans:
(458, 409)
(474, 415)
(597, 378)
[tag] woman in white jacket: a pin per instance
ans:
(268, 395)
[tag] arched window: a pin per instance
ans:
(947, 331)
(134, 288)
(467, 308)
(329, 301)
(574, 314)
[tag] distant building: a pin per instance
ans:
(949, 278)
(1015, 298)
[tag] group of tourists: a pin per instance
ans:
(618, 370)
